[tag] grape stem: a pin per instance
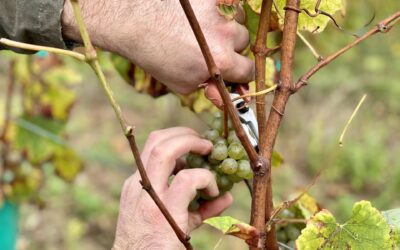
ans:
(28, 46)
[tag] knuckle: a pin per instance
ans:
(184, 178)
(159, 152)
(224, 61)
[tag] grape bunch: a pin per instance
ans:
(288, 233)
(228, 160)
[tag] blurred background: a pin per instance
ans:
(82, 214)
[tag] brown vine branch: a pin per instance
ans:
(382, 27)
(219, 82)
(281, 97)
(262, 204)
(91, 56)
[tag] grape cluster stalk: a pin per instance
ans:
(227, 160)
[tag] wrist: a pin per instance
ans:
(147, 242)
(96, 19)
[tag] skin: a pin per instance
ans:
(140, 223)
(156, 36)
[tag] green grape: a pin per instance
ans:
(292, 232)
(211, 135)
(224, 184)
(234, 178)
(205, 196)
(244, 170)
(236, 151)
(229, 166)
(218, 124)
(206, 165)
(221, 140)
(219, 152)
(213, 162)
(194, 160)
(217, 115)
(287, 214)
(291, 244)
(232, 137)
(282, 237)
(193, 205)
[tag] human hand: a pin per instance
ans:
(141, 224)
(156, 36)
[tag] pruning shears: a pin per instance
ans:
(247, 118)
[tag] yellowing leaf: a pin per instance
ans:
(58, 100)
(67, 164)
(307, 205)
(198, 102)
(365, 230)
(255, 5)
(62, 75)
(307, 23)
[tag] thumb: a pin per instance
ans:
(212, 94)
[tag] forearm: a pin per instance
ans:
(33, 21)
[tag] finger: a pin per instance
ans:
(162, 158)
(215, 207)
(239, 70)
(157, 137)
(242, 38)
(209, 209)
(184, 186)
(242, 90)
(212, 94)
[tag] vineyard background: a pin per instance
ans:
(82, 215)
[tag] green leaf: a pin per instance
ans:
(36, 136)
(223, 223)
(365, 230)
(277, 160)
(67, 164)
(307, 23)
(227, 11)
(252, 20)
